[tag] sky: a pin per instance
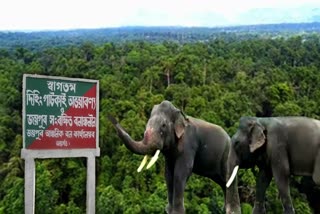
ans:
(75, 14)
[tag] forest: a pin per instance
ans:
(218, 80)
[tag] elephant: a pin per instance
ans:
(188, 145)
(279, 147)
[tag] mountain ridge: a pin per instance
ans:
(180, 34)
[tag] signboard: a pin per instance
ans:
(60, 119)
(60, 113)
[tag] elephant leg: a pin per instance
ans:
(232, 200)
(281, 173)
(316, 171)
(183, 170)
(262, 183)
(222, 184)
(169, 170)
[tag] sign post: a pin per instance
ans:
(60, 119)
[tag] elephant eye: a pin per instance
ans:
(162, 129)
(163, 126)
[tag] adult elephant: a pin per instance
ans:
(188, 145)
(280, 147)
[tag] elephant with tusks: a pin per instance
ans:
(188, 145)
(280, 147)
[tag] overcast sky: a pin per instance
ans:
(66, 14)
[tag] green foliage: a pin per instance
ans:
(287, 109)
(246, 208)
(46, 195)
(13, 200)
(69, 208)
(109, 200)
(218, 80)
(156, 202)
(280, 92)
(300, 202)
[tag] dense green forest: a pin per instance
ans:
(218, 80)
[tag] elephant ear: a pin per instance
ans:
(180, 124)
(257, 137)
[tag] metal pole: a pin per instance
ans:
(91, 184)
(29, 185)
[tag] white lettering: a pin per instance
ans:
(82, 102)
(84, 134)
(85, 121)
(52, 120)
(37, 120)
(55, 100)
(68, 134)
(61, 86)
(34, 98)
(64, 120)
(35, 133)
(55, 133)
(62, 143)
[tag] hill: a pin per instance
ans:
(45, 39)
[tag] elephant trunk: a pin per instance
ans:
(138, 147)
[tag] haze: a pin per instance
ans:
(71, 14)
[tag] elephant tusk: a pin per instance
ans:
(143, 162)
(153, 159)
(234, 173)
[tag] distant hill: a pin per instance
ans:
(44, 39)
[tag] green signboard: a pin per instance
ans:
(60, 113)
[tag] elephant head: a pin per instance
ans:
(165, 125)
(247, 143)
